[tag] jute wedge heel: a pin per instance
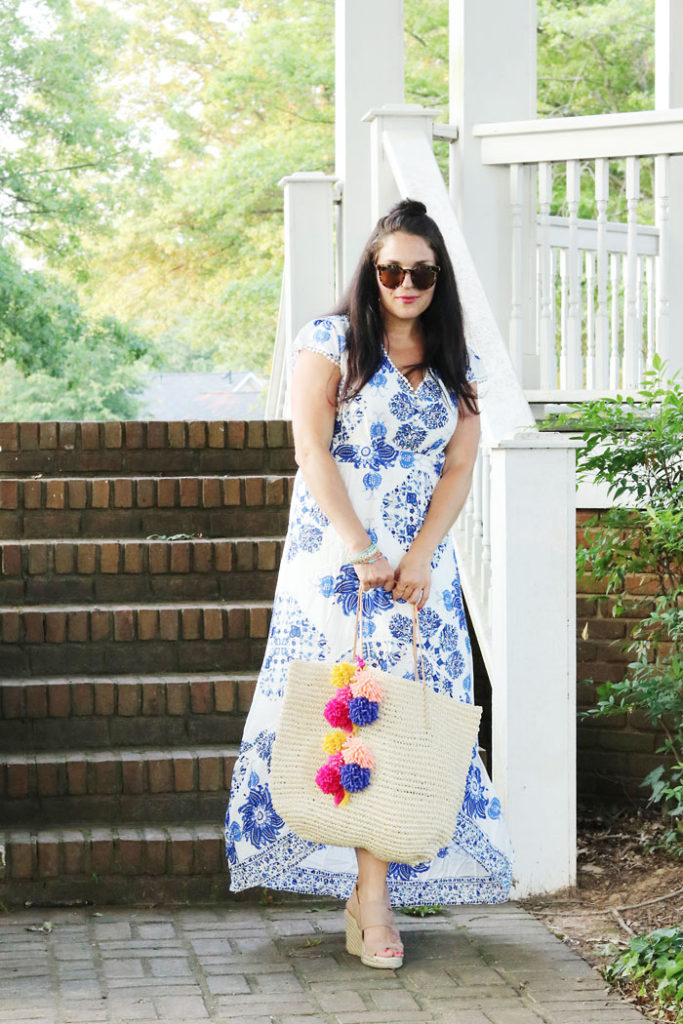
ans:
(372, 914)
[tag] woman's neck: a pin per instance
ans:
(402, 334)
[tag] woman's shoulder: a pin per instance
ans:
(336, 324)
(326, 335)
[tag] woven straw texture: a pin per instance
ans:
(422, 744)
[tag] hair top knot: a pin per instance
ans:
(410, 208)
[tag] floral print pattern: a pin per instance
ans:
(388, 443)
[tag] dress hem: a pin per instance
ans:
(278, 867)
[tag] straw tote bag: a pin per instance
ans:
(416, 754)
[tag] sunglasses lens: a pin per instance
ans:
(423, 277)
(391, 276)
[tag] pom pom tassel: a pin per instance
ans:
(362, 711)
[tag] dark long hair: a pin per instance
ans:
(442, 321)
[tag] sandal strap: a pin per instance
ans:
(375, 914)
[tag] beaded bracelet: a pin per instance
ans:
(365, 557)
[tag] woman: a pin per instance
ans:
(386, 429)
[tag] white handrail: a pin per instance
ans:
(514, 542)
(643, 133)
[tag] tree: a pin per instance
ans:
(243, 94)
(151, 138)
(595, 56)
(63, 153)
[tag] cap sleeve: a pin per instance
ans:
(326, 336)
(476, 371)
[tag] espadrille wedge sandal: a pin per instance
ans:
(360, 916)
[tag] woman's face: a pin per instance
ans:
(404, 302)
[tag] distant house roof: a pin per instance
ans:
(235, 395)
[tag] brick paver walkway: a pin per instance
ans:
(287, 965)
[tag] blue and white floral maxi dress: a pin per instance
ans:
(389, 445)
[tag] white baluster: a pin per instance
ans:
(537, 307)
(663, 222)
(486, 528)
(546, 331)
(553, 317)
(517, 180)
(640, 312)
(564, 378)
(602, 313)
(632, 339)
(651, 306)
(574, 367)
(614, 361)
(476, 542)
(590, 320)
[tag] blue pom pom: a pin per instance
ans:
(363, 711)
(354, 778)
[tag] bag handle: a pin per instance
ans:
(418, 652)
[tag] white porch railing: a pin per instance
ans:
(603, 288)
(515, 538)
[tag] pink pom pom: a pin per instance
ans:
(337, 711)
(354, 751)
(328, 778)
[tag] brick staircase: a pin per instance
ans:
(138, 568)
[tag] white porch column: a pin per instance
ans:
(493, 78)
(668, 94)
(308, 279)
(533, 622)
(369, 72)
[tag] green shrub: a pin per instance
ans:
(634, 445)
(656, 961)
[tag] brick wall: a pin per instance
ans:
(614, 754)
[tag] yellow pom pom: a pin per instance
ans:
(342, 673)
(344, 800)
(332, 743)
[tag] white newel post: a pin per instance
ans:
(308, 281)
(533, 624)
(668, 94)
(493, 78)
(369, 71)
(403, 121)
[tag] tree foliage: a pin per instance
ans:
(595, 56)
(148, 138)
(64, 157)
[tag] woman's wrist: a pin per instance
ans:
(366, 556)
(422, 548)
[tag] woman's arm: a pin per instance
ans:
(414, 571)
(314, 396)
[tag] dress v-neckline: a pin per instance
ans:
(403, 376)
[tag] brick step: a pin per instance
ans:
(118, 864)
(236, 446)
(99, 787)
(86, 712)
(144, 506)
(120, 639)
(46, 571)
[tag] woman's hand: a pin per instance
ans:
(376, 574)
(413, 578)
